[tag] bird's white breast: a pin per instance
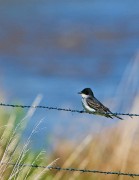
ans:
(85, 105)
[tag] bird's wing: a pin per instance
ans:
(97, 105)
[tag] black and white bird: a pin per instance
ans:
(92, 105)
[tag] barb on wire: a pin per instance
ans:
(64, 109)
(73, 169)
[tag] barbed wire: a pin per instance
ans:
(73, 169)
(65, 109)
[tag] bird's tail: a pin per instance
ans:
(116, 116)
(108, 116)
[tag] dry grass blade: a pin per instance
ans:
(74, 155)
(46, 169)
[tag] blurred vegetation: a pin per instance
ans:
(13, 150)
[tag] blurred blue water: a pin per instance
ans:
(57, 49)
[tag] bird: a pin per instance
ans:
(92, 105)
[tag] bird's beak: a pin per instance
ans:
(79, 93)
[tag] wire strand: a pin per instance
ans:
(73, 169)
(64, 109)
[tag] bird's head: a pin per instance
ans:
(86, 92)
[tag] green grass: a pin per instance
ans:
(13, 150)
